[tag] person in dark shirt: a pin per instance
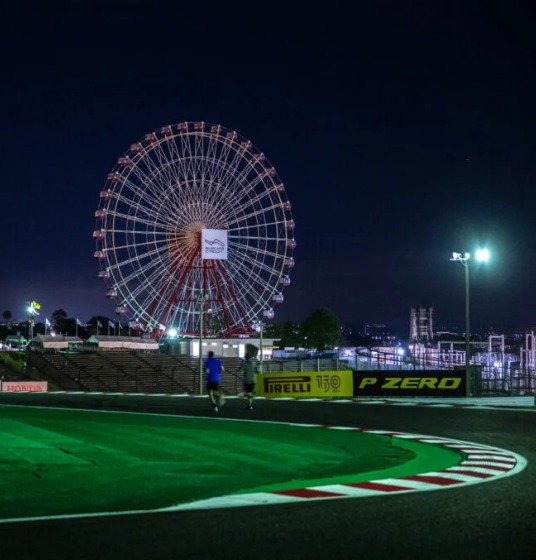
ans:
(214, 369)
(248, 369)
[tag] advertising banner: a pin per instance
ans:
(23, 385)
(319, 384)
(409, 384)
(214, 244)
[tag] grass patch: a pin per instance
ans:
(55, 461)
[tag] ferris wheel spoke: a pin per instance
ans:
(141, 175)
(150, 294)
(141, 242)
(133, 220)
(252, 220)
(155, 158)
(215, 147)
(149, 182)
(185, 156)
(153, 190)
(247, 175)
(227, 179)
(227, 167)
(244, 202)
(253, 283)
(262, 267)
(141, 200)
(231, 160)
(170, 164)
(123, 275)
(216, 152)
(262, 275)
(155, 256)
(153, 209)
(146, 291)
(259, 274)
(234, 178)
(269, 199)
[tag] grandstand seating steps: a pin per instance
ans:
(138, 372)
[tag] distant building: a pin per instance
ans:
(380, 334)
(16, 342)
(223, 347)
(421, 325)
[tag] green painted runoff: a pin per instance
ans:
(65, 462)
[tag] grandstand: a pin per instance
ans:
(129, 371)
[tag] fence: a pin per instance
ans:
(130, 371)
(487, 380)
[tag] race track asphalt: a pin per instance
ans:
(492, 520)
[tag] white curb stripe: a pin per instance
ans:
(483, 464)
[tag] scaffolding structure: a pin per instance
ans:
(421, 324)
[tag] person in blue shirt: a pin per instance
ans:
(214, 369)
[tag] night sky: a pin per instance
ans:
(403, 131)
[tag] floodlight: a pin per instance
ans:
(482, 255)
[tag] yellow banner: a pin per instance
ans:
(305, 384)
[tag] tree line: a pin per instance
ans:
(320, 330)
(61, 323)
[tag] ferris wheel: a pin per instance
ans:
(194, 231)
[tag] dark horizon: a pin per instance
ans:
(401, 132)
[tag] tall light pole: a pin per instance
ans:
(266, 314)
(32, 312)
(481, 255)
(201, 299)
(259, 327)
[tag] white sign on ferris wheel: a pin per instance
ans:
(214, 244)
